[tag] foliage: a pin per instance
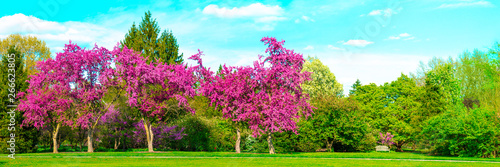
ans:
(204, 134)
(267, 98)
(339, 122)
(323, 82)
(463, 132)
(145, 39)
(25, 137)
(441, 90)
(354, 87)
(392, 107)
(151, 88)
(31, 47)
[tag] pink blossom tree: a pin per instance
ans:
(149, 87)
(267, 96)
(74, 78)
(386, 139)
(47, 101)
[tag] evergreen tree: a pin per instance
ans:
(26, 138)
(146, 38)
(355, 87)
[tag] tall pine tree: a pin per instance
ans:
(146, 38)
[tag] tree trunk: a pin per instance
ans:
(54, 138)
(329, 145)
(117, 143)
(149, 135)
(90, 135)
(238, 140)
(399, 145)
(270, 143)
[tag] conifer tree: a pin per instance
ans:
(152, 45)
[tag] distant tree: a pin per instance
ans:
(147, 40)
(476, 71)
(31, 47)
(441, 90)
(354, 87)
(322, 81)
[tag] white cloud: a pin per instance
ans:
(358, 43)
(264, 16)
(334, 48)
(57, 34)
(253, 10)
(20, 23)
(480, 3)
(386, 12)
(404, 36)
(309, 47)
(394, 37)
(375, 12)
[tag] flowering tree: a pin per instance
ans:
(117, 125)
(386, 139)
(149, 87)
(75, 75)
(267, 96)
(46, 102)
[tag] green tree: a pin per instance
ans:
(340, 122)
(354, 87)
(30, 46)
(441, 90)
(146, 38)
(391, 107)
(400, 111)
(322, 81)
(25, 137)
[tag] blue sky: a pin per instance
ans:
(374, 41)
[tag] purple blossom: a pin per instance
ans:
(386, 139)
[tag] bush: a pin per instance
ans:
(463, 132)
(203, 134)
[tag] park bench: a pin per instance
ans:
(322, 150)
(382, 148)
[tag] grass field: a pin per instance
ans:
(178, 158)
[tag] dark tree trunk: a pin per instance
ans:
(399, 144)
(329, 145)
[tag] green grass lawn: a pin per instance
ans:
(178, 158)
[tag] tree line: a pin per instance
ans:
(281, 103)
